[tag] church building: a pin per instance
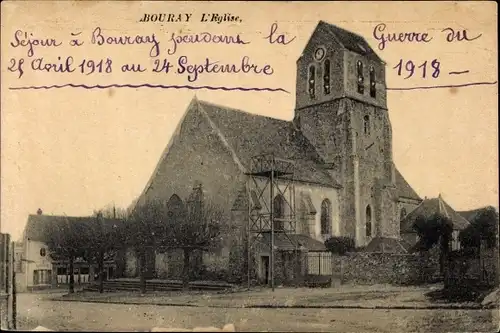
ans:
(328, 172)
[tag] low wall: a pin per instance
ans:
(386, 268)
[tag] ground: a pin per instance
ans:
(39, 309)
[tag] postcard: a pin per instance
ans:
(249, 166)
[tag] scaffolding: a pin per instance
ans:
(270, 183)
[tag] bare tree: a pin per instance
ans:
(142, 229)
(103, 237)
(65, 242)
(195, 227)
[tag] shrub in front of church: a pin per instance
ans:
(340, 244)
(434, 229)
(482, 228)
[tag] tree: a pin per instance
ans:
(103, 240)
(435, 230)
(65, 242)
(483, 227)
(145, 225)
(432, 229)
(194, 227)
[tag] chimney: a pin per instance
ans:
(39, 211)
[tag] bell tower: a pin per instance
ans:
(341, 108)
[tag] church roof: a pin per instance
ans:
(427, 208)
(251, 135)
(349, 40)
(404, 189)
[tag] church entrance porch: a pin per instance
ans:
(290, 258)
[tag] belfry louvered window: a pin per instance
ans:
(368, 221)
(373, 90)
(326, 77)
(361, 78)
(312, 81)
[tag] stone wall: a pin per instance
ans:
(4, 316)
(382, 268)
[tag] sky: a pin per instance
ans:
(72, 150)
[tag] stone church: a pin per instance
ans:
(339, 142)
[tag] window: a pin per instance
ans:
(373, 91)
(43, 252)
(326, 77)
(326, 217)
(403, 214)
(368, 221)
(366, 125)
(279, 212)
(312, 81)
(361, 78)
(41, 277)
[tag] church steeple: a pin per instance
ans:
(337, 63)
(341, 109)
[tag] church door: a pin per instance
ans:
(264, 267)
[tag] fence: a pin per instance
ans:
(319, 263)
(7, 284)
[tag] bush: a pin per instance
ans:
(482, 227)
(340, 245)
(433, 228)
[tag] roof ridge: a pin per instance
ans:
(241, 111)
(343, 30)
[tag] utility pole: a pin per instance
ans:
(496, 254)
(272, 226)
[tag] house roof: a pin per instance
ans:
(37, 225)
(386, 245)
(290, 242)
(251, 135)
(469, 215)
(427, 208)
(404, 189)
(349, 40)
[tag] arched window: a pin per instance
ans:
(361, 78)
(366, 125)
(326, 77)
(373, 91)
(175, 207)
(279, 212)
(368, 219)
(312, 81)
(326, 217)
(403, 214)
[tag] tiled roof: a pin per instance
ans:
(250, 135)
(290, 242)
(427, 208)
(349, 40)
(404, 189)
(37, 225)
(386, 245)
(469, 215)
